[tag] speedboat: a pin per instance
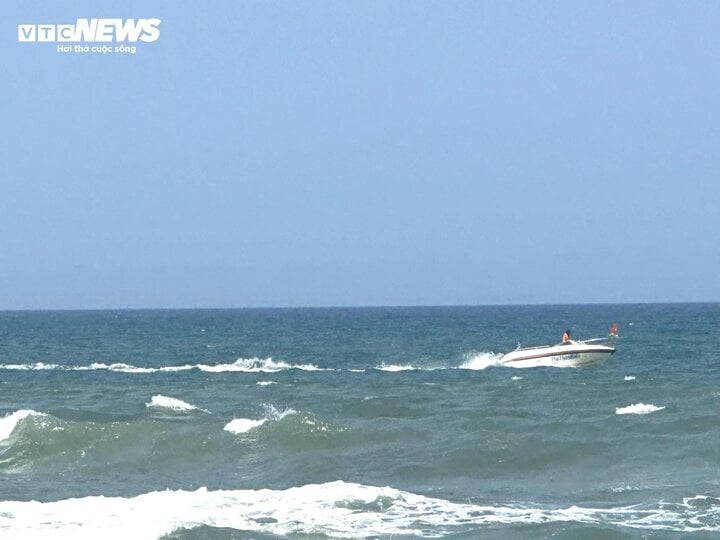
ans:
(571, 353)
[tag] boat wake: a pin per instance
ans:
(473, 360)
(480, 360)
(243, 365)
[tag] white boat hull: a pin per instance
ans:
(574, 354)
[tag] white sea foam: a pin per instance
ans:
(335, 509)
(474, 361)
(9, 423)
(163, 402)
(273, 413)
(119, 367)
(395, 367)
(243, 425)
(629, 377)
(480, 360)
(310, 367)
(638, 408)
(265, 383)
(624, 489)
(37, 366)
(246, 365)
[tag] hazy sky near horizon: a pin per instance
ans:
(265, 153)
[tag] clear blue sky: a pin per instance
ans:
(312, 153)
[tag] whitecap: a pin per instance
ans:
(395, 368)
(629, 377)
(256, 365)
(126, 368)
(638, 408)
(273, 413)
(37, 366)
(624, 489)
(10, 422)
(163, 402)
(243, 425)
(117, 366)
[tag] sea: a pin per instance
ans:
(394, 422)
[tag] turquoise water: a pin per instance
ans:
(366, 422)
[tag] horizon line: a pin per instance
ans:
(359, 306)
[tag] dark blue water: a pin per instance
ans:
(367, 422)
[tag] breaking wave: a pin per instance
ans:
(9, 423)
(243, 425)
(638, 408)
(395, 367)
(163, 402)
(335, 509)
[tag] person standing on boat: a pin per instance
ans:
(566, 336)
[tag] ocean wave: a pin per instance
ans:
(163, 402)
(638, 408)
(335, 509)
(395, 367)
(624, 489)
(37, 366)
(243, 425)
(119, 367)
(255, 365)
(9, 423)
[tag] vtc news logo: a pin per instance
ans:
(92, 31)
